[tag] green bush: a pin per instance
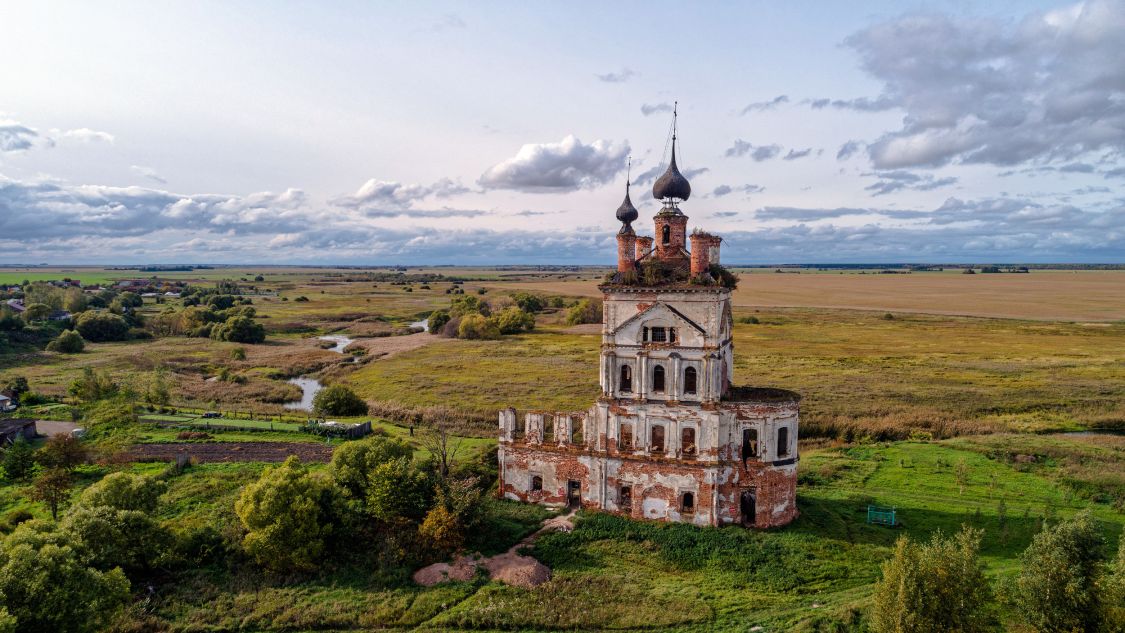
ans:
(935, 586)
(437, 320)
(93, 386)
(239, 329)
(19, 460)
(399, 489)
(513, 320)
(288, 517)
(585, 311)
(48, 585)
(102, 326)
(353, 462)
(476, 326)
(338, 400)
(1057, 586)
(69, 342)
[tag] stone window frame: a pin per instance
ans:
(782, 447)
(663, 437)
(621, 487)
(531, 482)
(757, 453)
(692, 368)
(625, 373)
(695, 439)
(663, 378)
(632, 436)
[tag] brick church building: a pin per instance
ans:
(669, 438)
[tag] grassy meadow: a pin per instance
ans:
(996, 401)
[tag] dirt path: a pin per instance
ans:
(509, 568)
(232, 452)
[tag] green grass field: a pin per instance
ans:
(613, 573)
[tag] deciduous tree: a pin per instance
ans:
(353, 462)
(52, 488)
(287, 514)
(1056, 590)
(935, 586)
(338, 400)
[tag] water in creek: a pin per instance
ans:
(424, 324)
(340, 341)
(309, 388)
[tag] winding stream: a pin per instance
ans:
(310, 386)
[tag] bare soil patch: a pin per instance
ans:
(510, 568)
(232, 452)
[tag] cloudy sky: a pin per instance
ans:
(356, 133)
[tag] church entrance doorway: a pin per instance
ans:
(574, 494)
(748, 506)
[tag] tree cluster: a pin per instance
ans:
(375, 490)
(1064, 585)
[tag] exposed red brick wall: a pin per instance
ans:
(644, 245)
(700, 254)
(677, 241)
(626, 252)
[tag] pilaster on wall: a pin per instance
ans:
(507, 424)
(533, 428)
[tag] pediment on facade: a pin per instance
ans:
(660, 311)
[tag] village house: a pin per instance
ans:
(670, 437)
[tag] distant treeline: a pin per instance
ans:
(936, 266)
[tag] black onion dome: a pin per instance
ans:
(672, 184)
(626, 213)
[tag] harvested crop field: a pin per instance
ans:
(232, 452)
(1067, 295)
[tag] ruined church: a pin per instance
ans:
(669, 438)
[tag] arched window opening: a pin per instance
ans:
(783, 441)
(657, 443)
(749, 444)
(687, 502)
(626, 436)
(658, 379)
(666, 234)
(625, 499)
(687, 441)
(536, 483)
(626, 382)
(691, 380)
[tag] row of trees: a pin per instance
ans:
(1065, 585)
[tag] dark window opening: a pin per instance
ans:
(536, 483)
(625, 499)
(749, 443)
(626, 436)
(691, 380)
(626, 382)
(666, 234)
(687, 502)
(657, 444)
(658, 378)
(645, 337)
(783, 441)
(658, 334)
(671, 335)
(574, 493)
(687, 441)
